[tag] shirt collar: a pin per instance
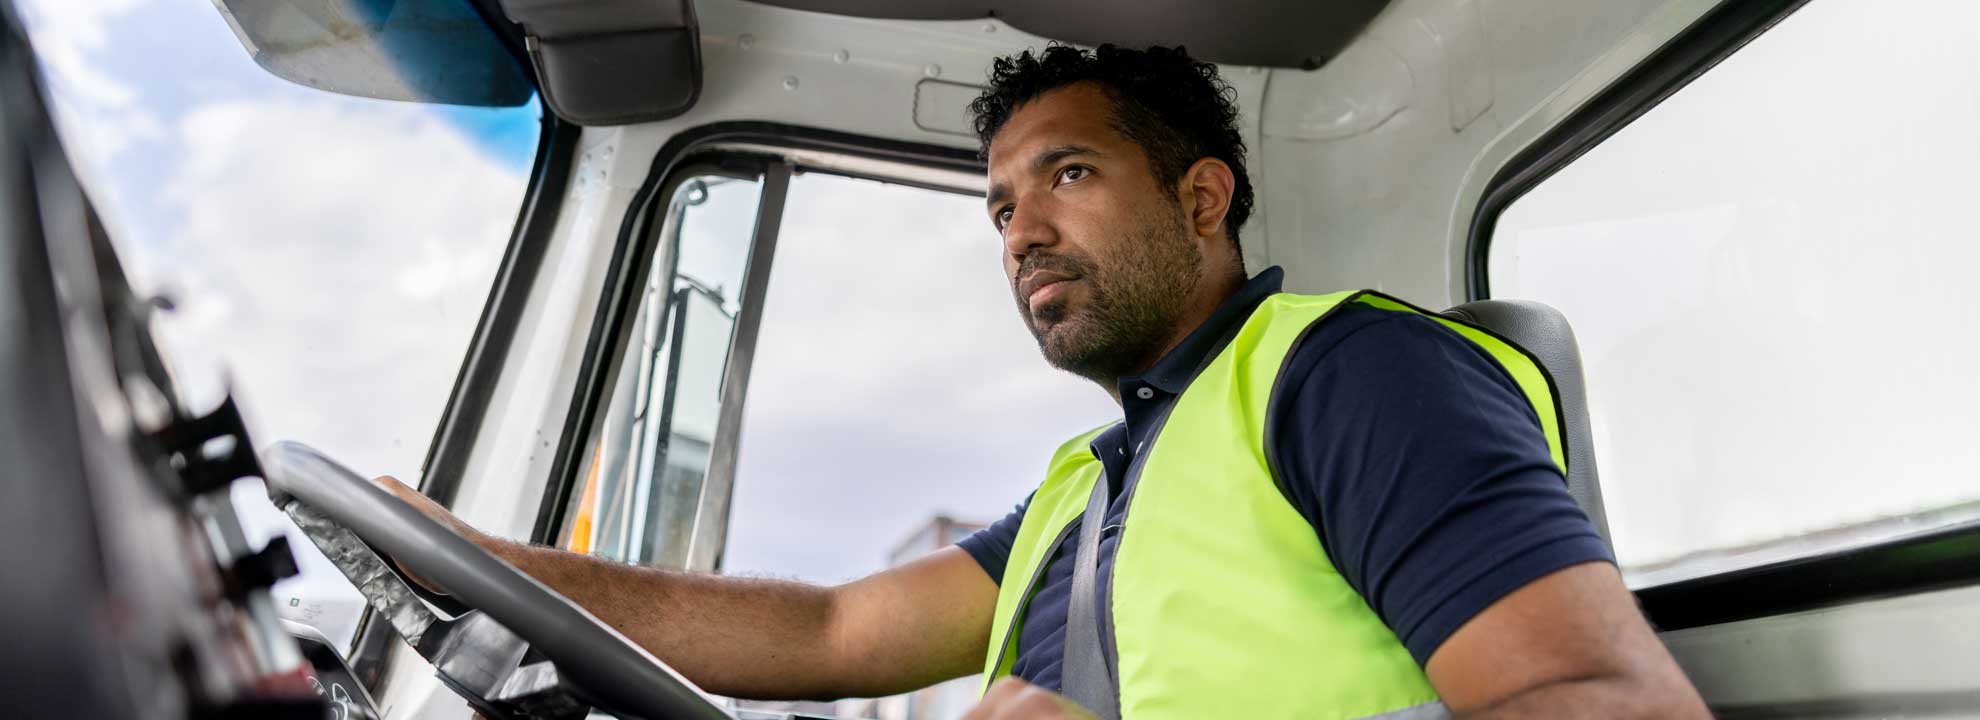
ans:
(1174, 371)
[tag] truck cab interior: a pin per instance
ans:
(1730, 232)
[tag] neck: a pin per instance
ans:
(1203, 302)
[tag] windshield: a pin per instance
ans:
(328, 256)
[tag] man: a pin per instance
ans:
(1324, 506)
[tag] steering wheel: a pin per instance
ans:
(511, 646)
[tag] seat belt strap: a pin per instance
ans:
(1086, 677)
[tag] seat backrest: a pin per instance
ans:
(1544, 332)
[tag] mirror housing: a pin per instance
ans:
(429, 51)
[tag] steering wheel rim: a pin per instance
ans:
(609, 667)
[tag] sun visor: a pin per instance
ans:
(1301, 34)
(612, 62)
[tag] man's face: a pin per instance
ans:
(1097, 252)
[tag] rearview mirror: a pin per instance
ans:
(430, 51)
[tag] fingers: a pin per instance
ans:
(1000, 694)
(402, 491)
(431, 509)
(399, 490)
(1011, 699)
(419, 501)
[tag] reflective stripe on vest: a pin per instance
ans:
(1224, 603)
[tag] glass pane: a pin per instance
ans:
(896, 402)
(642, 488)
(328, 255)
(1768, 274)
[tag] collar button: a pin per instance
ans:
(1145, 393)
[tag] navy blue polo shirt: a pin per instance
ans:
(1415, 457)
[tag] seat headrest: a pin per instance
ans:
(1544, 332)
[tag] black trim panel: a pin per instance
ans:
(1932, 561)
(481, 371)
(1924, 703)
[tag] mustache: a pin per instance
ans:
(1062, 264)
(1022, 282)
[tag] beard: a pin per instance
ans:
(1135, 297)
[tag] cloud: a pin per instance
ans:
(334, 256)
(332, 259)
(66, 37)
(73, 40)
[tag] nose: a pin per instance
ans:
(1028, 230)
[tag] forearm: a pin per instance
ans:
(1601, 697)
(742, 637)
(893, 631)
(1571, 644)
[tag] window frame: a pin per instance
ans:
(501, 314)
(481, 366)
(1934, 560)
(480, 370)
(612, 329)
(1700, 47)
(776, 151)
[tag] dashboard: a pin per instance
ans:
(331, 678)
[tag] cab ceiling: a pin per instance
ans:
(1301, 34)
(612, 62)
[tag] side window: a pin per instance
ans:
(642, 487)
(1769, 275)
(895, 402)
(893, 393)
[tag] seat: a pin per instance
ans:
(1544, 332)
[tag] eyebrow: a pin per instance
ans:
(1044, 161)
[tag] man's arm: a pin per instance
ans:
(891, 632)
(1426, 473)
(1569, 644)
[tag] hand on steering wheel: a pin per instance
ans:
(475, 653)
(426, 506)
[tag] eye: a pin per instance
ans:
(1072, 173)
(1002, 218)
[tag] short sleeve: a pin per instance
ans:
(991, 546)
(1424, 470)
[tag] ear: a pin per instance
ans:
(1206, 189)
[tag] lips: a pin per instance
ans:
(1041, 281)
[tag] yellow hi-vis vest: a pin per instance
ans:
(1224, 604)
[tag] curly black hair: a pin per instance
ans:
(1176, 108)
